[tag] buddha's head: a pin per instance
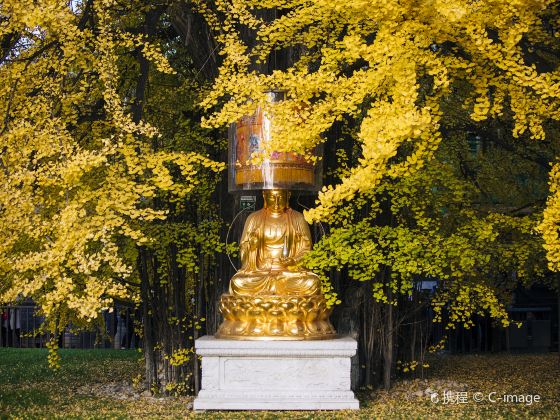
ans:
(276, 200)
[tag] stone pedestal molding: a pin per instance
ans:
(275, 375)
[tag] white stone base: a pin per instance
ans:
(275, 375)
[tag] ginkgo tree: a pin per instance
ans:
(391, 63)
(399, 74)
(82, 175)
(464, 232)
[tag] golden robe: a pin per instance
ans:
(270, 247)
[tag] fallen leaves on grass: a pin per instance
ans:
(97, 384)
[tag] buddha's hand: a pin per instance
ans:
(287, 262)
(253, 240)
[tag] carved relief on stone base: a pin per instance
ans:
(275, 375)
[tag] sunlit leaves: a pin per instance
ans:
(80, 175)
(389, 63)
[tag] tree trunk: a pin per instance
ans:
(388, 350)
(148, 342)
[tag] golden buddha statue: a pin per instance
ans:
(270, 296)
(273, 241)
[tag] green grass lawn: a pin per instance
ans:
(29, 389)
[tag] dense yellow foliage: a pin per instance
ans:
(78, 175)
(551, 220)
(429, 225)
(389, 64)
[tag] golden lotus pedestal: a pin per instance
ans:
(275, 317)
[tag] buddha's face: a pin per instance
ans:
(276, 200)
